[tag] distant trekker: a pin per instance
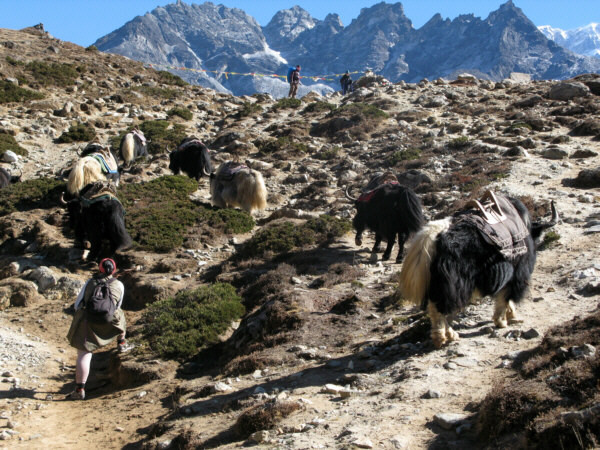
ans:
(346, 82)
(294, 79)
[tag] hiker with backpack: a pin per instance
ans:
(294, 80)
(98, 320)
(346, 82)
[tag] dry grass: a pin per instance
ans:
(263, 417)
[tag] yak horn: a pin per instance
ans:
(208, 174)
(555, 217)
(62, 199)
(348, 196)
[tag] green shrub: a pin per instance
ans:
(359, 110)
(319, 106)
(184, 113)
(285, 103)
(159, 211)
(283, 143)
(249, 109)
(54, 74)
(162, 134)
(81, 132)
(330, 153)
(287, 236)
(30, 194)
(521, 125)
(14, 62)
(459, 142)
(91, 48)
(550, 238)
(7, 142)
(170, 78)
(157, 92)
(228, 220)
(179, 326)
(404, 155)
(10, 92)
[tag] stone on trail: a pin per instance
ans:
(449, 420)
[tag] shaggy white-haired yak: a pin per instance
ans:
(488, 249)
(96, 164)
(235, 184)
(133, 145)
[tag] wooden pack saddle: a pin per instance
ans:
(499, 223)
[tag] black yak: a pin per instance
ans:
(191, 157)
(97, 215)
(388, 209)
(235, 184)
(97, 163)
(133, 145)
(454, 260)
(6, 179)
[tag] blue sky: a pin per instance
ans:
(84, 21)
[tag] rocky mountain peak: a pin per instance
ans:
(287, 24)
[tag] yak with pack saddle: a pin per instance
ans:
(191, 157)
(235, 184)
(388, 209)
(134, 145)
(96, 216)
(96, 163)
(486, 249)
(6, 179)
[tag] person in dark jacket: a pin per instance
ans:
(88, 336)
(346, 82)
(294, 82)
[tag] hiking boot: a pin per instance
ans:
(124, 347)
(77, 394)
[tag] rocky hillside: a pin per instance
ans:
(382, 39)
(277, 329)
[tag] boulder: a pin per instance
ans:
(10, 157)
(568, 90)
(44, 278)
(20, 292)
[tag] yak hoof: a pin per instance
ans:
(500, 322)
(385, 257)
(438, 338)
(452, 335)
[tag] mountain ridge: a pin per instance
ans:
(209, 37)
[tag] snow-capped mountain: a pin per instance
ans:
(583, 40)
(217, 39)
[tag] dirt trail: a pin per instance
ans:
(390, 412)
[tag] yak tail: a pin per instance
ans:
(118, 232)
(85, 171)
(413, 212)
(128, 148)
(415, 275)
(252, 192)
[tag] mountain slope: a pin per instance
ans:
(583, 40)
(219, 39)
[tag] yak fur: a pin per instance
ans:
(449, 263)
(192, 158)
(132, 147)
(102, 220)
(235, 185)
(88, 169)
(6, 179)
(391, 211)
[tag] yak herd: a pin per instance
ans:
(487, 249)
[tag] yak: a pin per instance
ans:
(487, 249)
(97, 215)
(6, 179)
(97, 163)
(191, 157)
(235, 184)
(133, 145)
(389, 209)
